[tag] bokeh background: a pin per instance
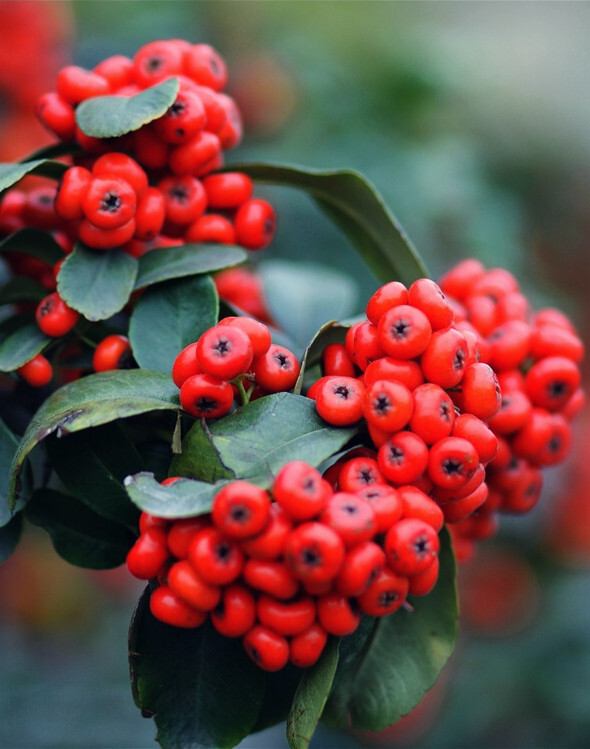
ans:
(472, 121)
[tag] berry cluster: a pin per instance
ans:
(234, 357)
(284, 569)
(464, 393)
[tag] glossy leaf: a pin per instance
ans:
(258, 439)
(311, 696)
(79, 535)
(34, 242)
(91, 401)
(168, 317)
(303, 297)
(185, 260)
(202, 688)
(112, 116)
(400, 660)
(92, 465)
(11, 173)
(181, 499)
(20, 346)
(354, 205)
(331, 332)
(97, 283)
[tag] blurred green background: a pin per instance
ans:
(471, 120)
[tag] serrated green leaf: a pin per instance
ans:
(257, 440)
(183, 498)
(79, 535)
(112, 116)
(202, 688)
(11, 173)
(168, 317)
(97, 283)
(91, 401)
(185, 260)
(34, 242)
(401, 659)
(303, 297)
(20, 346)
(10, 536)
(92, 465)
(354, 205)
(311, 696)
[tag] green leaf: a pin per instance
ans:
(168, 317)
(20, 346)
(401, 659)
(34, 242)
(97, 283)
(354, 205)
(11, 173)
(79, 535)
(92, 465)
(311, 696)
(10, 536)
(112, 116)
(303, 297)
(8, 445)
(89, 402)
(202, 688)
(21, 289)
(331, 332)
(183, 498)
(185, 260)
(257, 440)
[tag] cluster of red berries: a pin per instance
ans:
(284, 569)
(457, 383)
(236, 357)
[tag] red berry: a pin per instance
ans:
(351, 516)
(385, 594)
(203, 396)
(113, 352)
(452, 461)
(217, 559)
(255, 224)
(286, 617)
(307, 646)
(148, 554)
(240, 509)
(169, 608)
(38, 371)
(338, 614)
(224, 352)
(227, 189)
(189, 586)
(277, 370)
(339, 400)
(301, 490)
(314, 552)
(235, 614)
(404, 331)
(387, 405)
(270, 576)
(433, 414)
(361, 566)
(411, 546)
(266, 648)
(54, 317)
(403, 458)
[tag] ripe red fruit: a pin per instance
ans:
(277, 370)
(385, 594)
(169, 608)
(255, 224)
(307, 646)
(266, 648)
(404, 331)
(37, 371)
(217, 559)
(235, 614)
(351, 516)
(314, 552)
(113, 352)
(338, 614)
(203, 396)
(403, 458)
(339, 400)
(240, 509)
(189, 586)
(387, 405)
(452, 461)
(224, 352)
(148, 554)
(411, 546)
(300, 490)
(286, 617)
(54, 317)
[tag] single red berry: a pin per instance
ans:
(386, 504)
(75, 84)
(338, 614)
(385, 594)
(211, 227)
(422, 583)
(270, 576)
(403, 458)
(109, 202)
(459, 280)
(460, 509)
(255, 224)
(148, 554)
(71, 192)
(38, 371)
(495, 283)
(240, 509)
(388, 405)
(509, 345)
(482, 313)
(203, 396)
(227, 189)
(217, 559)
(169, 608)
(116, 69)
(155, 61)
(105, 239)
(286, 617)
(206, 66)
(479, 434)
(387, 296)
(189, 586)
(480, 392)
(277, 370)
(57, 115)
(186, 364)
(551, 382)
(54, 317)
(361, 566)
(363, 345)
(451, 462)
(336, 361)
(266, 648)
(113, 352)
(39, 208)
(150, 151)
(306, 647)
(514, 412)
(257, 332)
(445, 357)
(184, 197)
(314, 552)
(404, 331)
(224, 352)
(121, 166)
(417, 504)
(410, 546)
(433, 415)
(351, 516)
(235, 614)
(199, 156)
(339, 400)
(533, 435)
(428, 297)
(184, 119)
(301, 490)
(555, 340)
(358, 473)
(269, 543)
(150, 214)
(406, 371)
